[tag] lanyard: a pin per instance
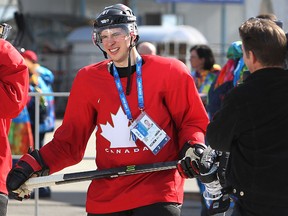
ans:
(119, 87)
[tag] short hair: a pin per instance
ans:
(145, 48)
(204, 51)
(271, 17)
(265, 39)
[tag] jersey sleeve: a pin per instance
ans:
(69, 142)
(14, 81)
(185, 105)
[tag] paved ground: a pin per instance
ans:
(69, 199)
(72, 203)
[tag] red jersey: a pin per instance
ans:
(14, 84)
(171, 100)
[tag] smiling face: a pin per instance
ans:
(116, 43)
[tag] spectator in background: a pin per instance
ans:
(204, 69)
(14, 85)
(205, 72)
(146, 48)
(20, 134)
(231, 75)
(41, 80)
(271, 17)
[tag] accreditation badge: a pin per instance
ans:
(145, 129)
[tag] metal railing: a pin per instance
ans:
(37, 96)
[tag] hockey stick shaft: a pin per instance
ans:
(51, 180)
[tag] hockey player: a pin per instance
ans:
(117, 95)
(14, 85)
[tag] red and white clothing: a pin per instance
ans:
(171, 100)
(14, 85)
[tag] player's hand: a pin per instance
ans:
(21, 193)
(208, 165)
(188, 166)
(28, 165)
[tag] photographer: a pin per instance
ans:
(251, 124)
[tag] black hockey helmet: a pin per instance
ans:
(4, 30)
(115, 16)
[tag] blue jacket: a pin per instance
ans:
(47, 119)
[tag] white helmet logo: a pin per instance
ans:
(105, 21)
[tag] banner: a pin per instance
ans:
(201, 1)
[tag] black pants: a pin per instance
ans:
(157, 209)
(243, 208)
(3, 204)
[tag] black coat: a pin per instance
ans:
(252, 125)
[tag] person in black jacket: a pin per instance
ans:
(252, 124)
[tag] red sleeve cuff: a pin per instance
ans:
(32, 162)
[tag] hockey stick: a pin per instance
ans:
(51, 180)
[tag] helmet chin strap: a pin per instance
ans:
(104, 53)
(128, 86)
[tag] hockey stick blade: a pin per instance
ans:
(51, 180)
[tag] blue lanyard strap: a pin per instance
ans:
(119, 87)
(139, 83)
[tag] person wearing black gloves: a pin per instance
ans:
(252, 124)
(203, 163)
(30, 164)
(118, 95)
(188, 166)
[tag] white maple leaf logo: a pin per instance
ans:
(119, 135)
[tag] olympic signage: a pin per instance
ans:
(202, 1)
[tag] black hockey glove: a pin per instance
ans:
(28, 165)
(188, 166)
(216, 199)
(208, 165)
